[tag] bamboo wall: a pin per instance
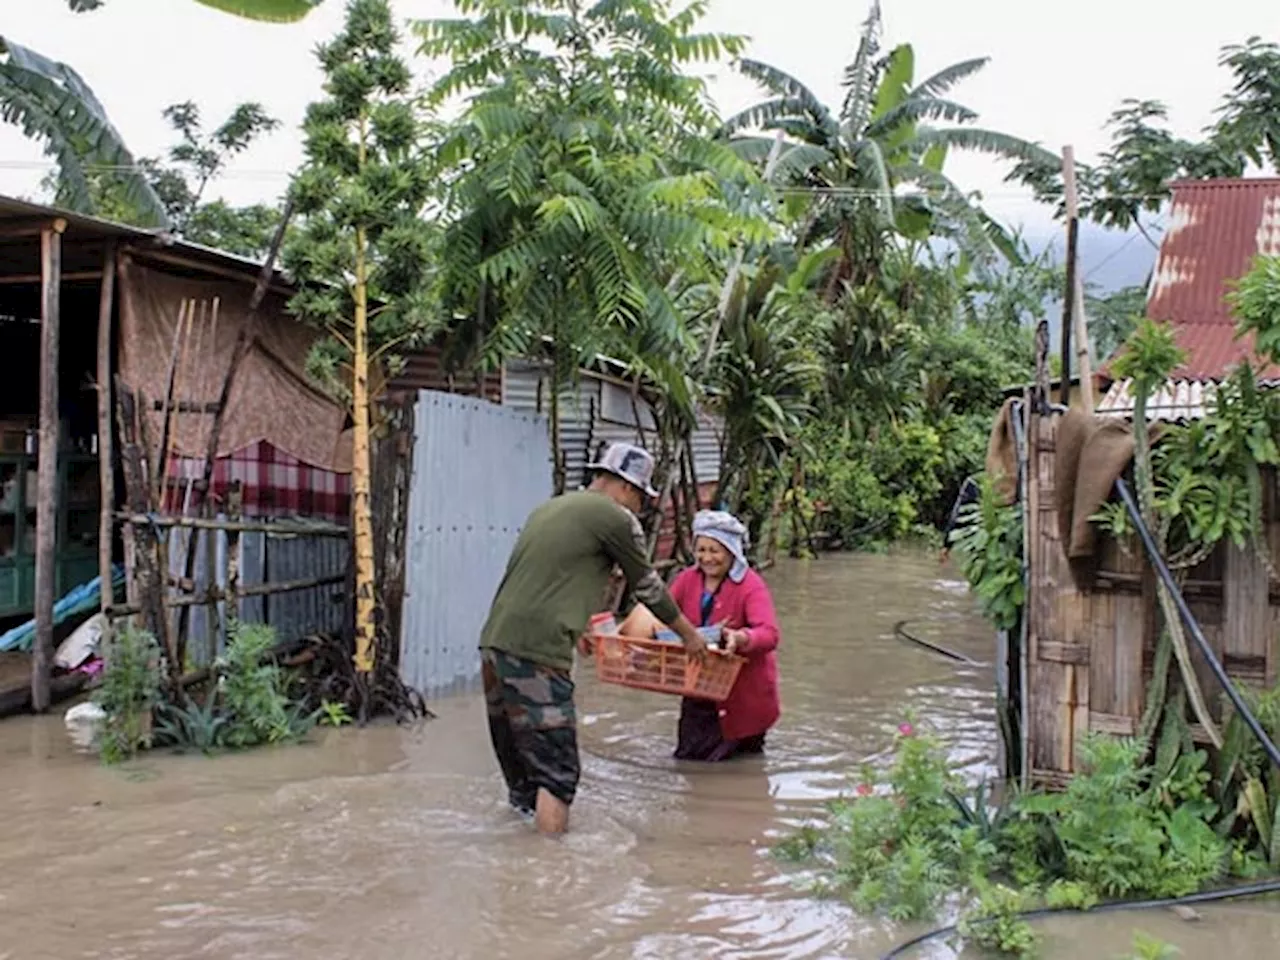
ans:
(1090, 651)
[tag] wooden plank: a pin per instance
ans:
(47, 463)
(1246, 616)
(1113, 723)
(106, 446)
(1078, 720)
(1101, 626)
(1128, 632)
(1076, 654)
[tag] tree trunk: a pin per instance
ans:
(361, 466)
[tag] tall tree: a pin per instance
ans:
(579, 174)
(363, 250)
(52, 104)
(182, 179)
(1132, 177)
(850, 163)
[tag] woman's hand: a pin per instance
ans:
(736, 641)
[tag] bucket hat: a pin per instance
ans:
(628, 462)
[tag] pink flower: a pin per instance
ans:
(906, 730)
(865, 790)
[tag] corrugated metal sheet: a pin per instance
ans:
(1216, 227)
(527, 388)
(706, 447)
(1177, 400)
(595, 414)
(424, 370)
(478, 470)
(262, 559)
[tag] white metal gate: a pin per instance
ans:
(478, 471)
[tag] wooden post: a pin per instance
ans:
(1080, 326)
(235, 502)
(47, 463)
(106, 458)
(1069, 297)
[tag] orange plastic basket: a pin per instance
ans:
(664, 667)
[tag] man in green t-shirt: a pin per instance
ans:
(554, 582)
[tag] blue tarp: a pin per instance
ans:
(80, 600)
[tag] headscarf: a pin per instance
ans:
(728, 531)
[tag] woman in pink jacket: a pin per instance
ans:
(723, 590)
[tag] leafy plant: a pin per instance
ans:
(251, 690)
(1147, 947)
(192, 725)
(988, 544)
(993, 922)
(334, 714)
(363, 254)
(129, 693)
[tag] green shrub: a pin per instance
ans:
(129, 693)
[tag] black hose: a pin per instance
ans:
(900, 631)
(1162, 571)
(1207, 896)
(1242, 708)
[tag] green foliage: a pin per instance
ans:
(249, 705)
(52, 104)
(1113, 317)
(1256, 303)
(988, 544)
(904, 844)
(129, 693)
(1147, 947)
(361, 193)
(993, 922)
(271, 11)
(334, 714)
(182, 179)
(1149, 356)
(252, 691)
(580, 181)
(1133, 177)
(1120, 836)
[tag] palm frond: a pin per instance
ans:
(763, 115)
(948, 77)
(915, 109)
(859, 76)
(871, 159)
(782, 84)
(987, 141)
(53, 104)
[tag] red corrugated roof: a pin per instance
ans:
(1216, 228)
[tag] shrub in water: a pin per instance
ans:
(129, 693)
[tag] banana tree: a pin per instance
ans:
(873, 167)
(51, 103)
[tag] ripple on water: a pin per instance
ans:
(386, 843)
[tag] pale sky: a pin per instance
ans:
(1049, 79)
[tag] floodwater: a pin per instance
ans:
(386, 844)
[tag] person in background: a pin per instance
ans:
(722, 589)
(553, 583)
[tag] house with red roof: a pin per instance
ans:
(1216, 228)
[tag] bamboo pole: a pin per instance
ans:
(1081, 330)
(235, 501)
(214, 594)
(1069, 297)
(106, 447)
(47, 463)
(282, 528)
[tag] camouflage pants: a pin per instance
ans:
(533, 726)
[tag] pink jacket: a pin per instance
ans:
(753, 705)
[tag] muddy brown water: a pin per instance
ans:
(386, 843)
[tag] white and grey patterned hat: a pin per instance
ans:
(630, 463)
